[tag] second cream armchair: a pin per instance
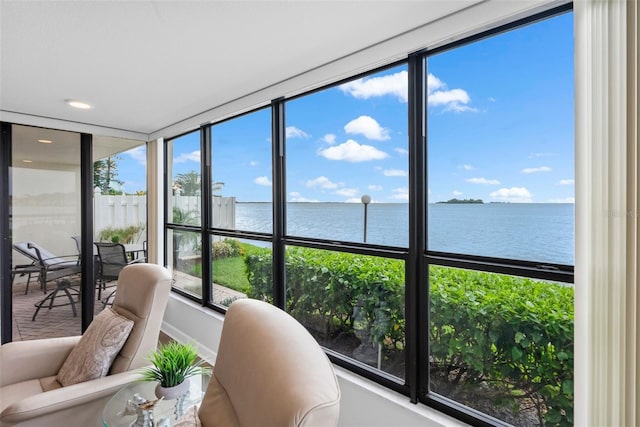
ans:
(269, 371)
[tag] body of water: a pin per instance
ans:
(528, 231)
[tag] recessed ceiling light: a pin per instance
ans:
(27, 161)
(45, 141)
(78, 104)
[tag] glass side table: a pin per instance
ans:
(119, 412)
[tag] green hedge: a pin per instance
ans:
(514, 334)
(341, 291)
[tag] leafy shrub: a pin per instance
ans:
(513, 333)
(516, 333)
(221, 250)
(340, 291)
(227, 248)
(128, 234)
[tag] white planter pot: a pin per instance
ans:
(172, 393)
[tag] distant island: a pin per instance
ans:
(463, 201)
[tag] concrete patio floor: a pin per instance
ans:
(59, 321)
(49, 323)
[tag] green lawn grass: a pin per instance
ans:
(230, 272)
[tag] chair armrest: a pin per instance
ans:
(27, 360)
(79, 396)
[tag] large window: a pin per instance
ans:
(183, 212)
(500, 176)
(417, 220)
(241, 173)
(347, 154)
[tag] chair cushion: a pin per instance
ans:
(97, 349)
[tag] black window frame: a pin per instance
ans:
(417, 257)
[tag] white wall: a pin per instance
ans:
(363, 403)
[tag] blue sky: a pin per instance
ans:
(499, 127)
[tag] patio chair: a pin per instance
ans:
(49, 266)
(112, 258)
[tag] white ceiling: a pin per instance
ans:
(146, 65)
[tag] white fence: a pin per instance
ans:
(118, 211)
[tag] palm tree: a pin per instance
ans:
(189, 183)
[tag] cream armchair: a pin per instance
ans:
(269, 371)
(30, 395)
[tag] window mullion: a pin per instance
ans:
(205, 218)
(416, 302)
(279, 201)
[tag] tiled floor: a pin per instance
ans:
(59, 321)
(49, 323)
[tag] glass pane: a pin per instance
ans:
(241, 170)
(352, 304)
(120, 191)
(502, 345)
(234, 276)
(501, 145)
(184, 187)
(45, 206)
(184, 260)
(346, 159)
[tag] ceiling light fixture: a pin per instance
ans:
(45, 141)
(78, 104)
(27, 161)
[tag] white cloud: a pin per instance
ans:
(491, 99)
(467, 167)
(347, 192)
(456, 193)
(401, 150)
(294, 196)
(351, 151)
(483, 180)
(566, 182)
(536, 170)
(329, 138)
(513, 194)
(263, 180)
(367, 126)
(440, 97)
(322, 182)
(139, 154)
(254, 163)
(452, 99)
(194, 156)
(394, 84)
(395, 172)
(355, 200)
(294, 132)
(400, 193)
(375, 187)
(397, 85)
